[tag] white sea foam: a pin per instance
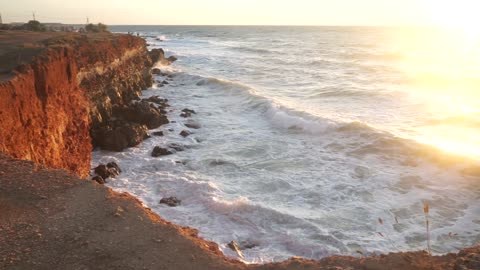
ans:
(292, 170)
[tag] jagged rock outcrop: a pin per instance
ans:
(65, 94)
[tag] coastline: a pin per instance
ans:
(44, 200)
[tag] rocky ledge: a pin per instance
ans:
(63, 94)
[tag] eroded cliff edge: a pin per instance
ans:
(58, 93)
(68, 87)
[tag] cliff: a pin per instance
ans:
(61, 97)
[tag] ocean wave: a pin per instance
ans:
(371, 139)
(267, 227)
(387, 56)
(251, 50)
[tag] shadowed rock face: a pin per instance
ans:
(66, 92)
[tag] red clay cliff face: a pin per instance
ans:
(49, 105)
(45, 114)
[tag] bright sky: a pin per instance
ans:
(238, 12)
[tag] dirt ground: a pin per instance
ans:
(52, 220)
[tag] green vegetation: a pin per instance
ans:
(34, 26)
(96, 28)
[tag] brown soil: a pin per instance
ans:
(52, 220)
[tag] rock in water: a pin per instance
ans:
(114, 166)
(172, 201)
(119, 135)
(157, 100)
(177, 147)
(157, 55)
(106, 171)
(185, 133)
(233, 246)
(158, 151)
(99, 180)
(158, 133)
(187, 113)
(172, 59)
(143, 113)
(193, 125)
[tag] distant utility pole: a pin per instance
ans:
(34, 16)
(88, 21)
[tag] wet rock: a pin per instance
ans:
(185, 133)
(187, 113)
(114, 166)
(172, 59)
(171, 201)
(106, 172)
(118, 135)
(193, 125)
(143, 113)
(165, 82)
(99, 180)
(157, 55)
(157, 100)
(247, 245)
(177, 147)
(159, 151)
(156, 71)
(234, 246)
(158, 133)
(160, 85)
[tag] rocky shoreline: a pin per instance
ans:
(76, 92)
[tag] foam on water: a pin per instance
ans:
(269, 169)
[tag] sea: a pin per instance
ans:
(315, 141)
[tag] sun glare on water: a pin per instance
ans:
(443, 65)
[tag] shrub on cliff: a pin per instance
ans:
(96, 28)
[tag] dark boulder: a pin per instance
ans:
(247, 245)
(99, 180)
(105, 172)
(172, 201)
(187, 113)
(185, 133)
(159, 151)
(157, 100)
(119, 135)
(114, 166)
(143, 113)
(158, 133)
(233, 246)
(193, 125)
(177, 147)
(172, 59)
(156, 71)
(157, 55)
